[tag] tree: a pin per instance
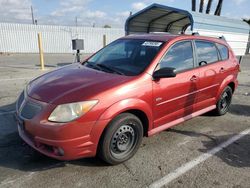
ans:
(106, 26)
(218, 8)
(247, 20)
(209, 4)
(217, 12)
(201, 6)
(193, 5)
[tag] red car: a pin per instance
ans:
(136, 86)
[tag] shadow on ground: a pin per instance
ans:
(236, 109)
(7, 108)
(55, 65)
(236, 154)
(239, 109)
(16, 154)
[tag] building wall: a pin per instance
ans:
(22, 38)
(237, 41)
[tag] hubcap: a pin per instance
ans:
(225, 100)
(123, 140)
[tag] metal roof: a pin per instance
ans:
(152, 36)
(160, 18)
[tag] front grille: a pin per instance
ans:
(30, 109)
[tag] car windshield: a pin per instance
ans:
(128, 57)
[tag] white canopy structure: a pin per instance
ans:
(160, 18)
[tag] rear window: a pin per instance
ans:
(223, 51)
(206, 52)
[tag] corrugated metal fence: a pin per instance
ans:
(22, 38)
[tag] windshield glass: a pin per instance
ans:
(125, 56)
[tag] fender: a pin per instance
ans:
(225, 82)
(128, 104)
(114, 110)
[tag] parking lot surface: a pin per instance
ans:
(183, 156)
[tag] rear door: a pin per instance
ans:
(225, 66)
(174, 98)
(207, 62)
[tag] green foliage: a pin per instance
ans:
(106, 26)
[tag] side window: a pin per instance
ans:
(206, 52)
(180, 56)
(223, 51)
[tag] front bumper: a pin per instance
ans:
(74, 140)
(60, 149)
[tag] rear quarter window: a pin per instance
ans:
(223, 51)
(206, 52)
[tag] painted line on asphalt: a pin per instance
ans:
(11, 79)
(9, 112)
(190, 165)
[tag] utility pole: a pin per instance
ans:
(32, 15)
(76, 21)
(218, 8)
(194, 5)
(201, 6)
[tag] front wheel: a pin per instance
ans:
(121, 139)
(224, 101)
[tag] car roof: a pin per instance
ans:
(152, 36)
(164, 37)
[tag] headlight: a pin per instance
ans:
(68, 112)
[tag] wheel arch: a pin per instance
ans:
(232, 85)
(137, 107)
(231, 81)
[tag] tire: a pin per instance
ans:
(121, 139)
(224, 102)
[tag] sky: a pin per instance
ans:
(99, 12)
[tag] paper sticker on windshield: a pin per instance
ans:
(152, 43)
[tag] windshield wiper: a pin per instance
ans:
(93, 65)
(109, 68)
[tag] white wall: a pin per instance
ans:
(237, 41)
(22, 38)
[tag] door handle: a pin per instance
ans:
(222, 69)
(193, 78)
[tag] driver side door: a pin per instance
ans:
(174, 98)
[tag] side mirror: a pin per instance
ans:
(166, 72)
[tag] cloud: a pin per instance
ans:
(15, 10)
(123, 14)
(138, 5)
(95, 14)
(69, 9)
(70, 6)
(239, 2)
(64, 11)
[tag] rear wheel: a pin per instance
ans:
(224, 102)
(121, 139)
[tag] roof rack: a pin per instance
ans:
(195, 33)
(160, 32)
(222, 37)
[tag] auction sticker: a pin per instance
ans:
(152, 43)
